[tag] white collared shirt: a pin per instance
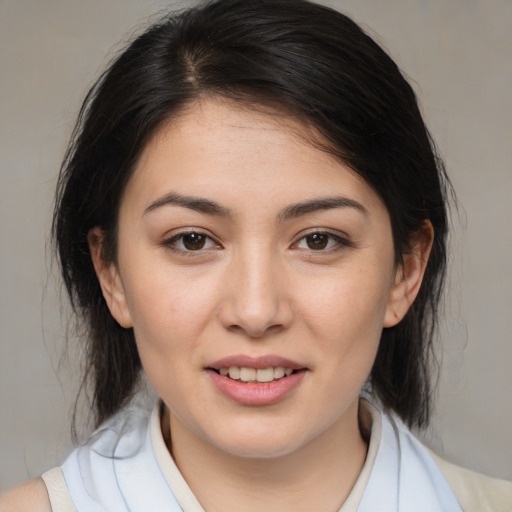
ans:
(126, 466)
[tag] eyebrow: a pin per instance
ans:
(208, 207)
(315, 205)
(197, 204)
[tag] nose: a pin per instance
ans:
(256, 298)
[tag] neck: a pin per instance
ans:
(316, 476)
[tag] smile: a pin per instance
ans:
(246, 374)
(256, 381)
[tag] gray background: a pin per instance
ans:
(457, 52)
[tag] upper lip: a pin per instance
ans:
(256, 362)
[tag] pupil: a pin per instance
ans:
(317, 241)
(194, 241)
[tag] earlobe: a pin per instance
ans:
(109, 279)
(409, 276)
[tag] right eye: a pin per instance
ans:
(322, 241)
(191, 241)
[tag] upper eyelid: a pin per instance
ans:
(322, 231)
(310, 231)
(341, 239)
(168, 239)
(188, 231)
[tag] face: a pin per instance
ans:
(257, 273)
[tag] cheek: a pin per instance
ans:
(169, 308)
(169, 316)
(346, 311)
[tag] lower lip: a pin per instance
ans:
(253, 393)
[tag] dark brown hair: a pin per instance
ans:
(291, 56)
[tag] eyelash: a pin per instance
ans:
(340, 242)
(172, 243)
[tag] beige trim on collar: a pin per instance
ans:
(184, 496)
(58, 491)
(474, 491)
(370, 421)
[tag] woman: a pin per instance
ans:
(252, 213)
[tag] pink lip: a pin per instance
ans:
(266, 361)
(256, 393)
(252, 393)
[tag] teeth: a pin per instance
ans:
(265, 375)
(234, 372)
(278, 372)
(246, 374)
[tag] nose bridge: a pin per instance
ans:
(256, 299)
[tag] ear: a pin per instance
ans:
(409, 276)
(110, 280)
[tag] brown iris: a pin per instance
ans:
(317, 241)
(194, 241)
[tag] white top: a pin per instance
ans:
(125, 466)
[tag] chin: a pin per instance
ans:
(259, 440)
(259, 447)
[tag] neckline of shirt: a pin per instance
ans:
(370, 424)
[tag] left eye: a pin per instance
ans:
(319, 241)
(192, 241)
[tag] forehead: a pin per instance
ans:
(221, 149)
(221, 127)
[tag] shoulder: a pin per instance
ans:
(476, 492)
(31, 495)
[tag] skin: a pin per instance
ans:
(260, 285)
(31, 495)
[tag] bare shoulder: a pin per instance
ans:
(30, 496)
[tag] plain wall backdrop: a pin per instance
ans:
(458, 55)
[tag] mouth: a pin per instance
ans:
(256, 381)
(256, 375)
